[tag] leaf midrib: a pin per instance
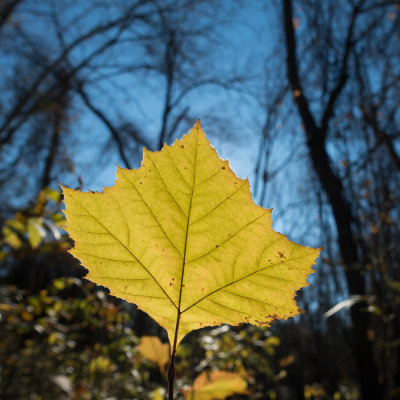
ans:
(187, 230)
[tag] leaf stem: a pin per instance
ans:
(171, 377)
(171, 369)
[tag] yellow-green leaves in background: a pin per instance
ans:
(36, 225)
(154, 350)
(216, 385)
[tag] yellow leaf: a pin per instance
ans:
(35, 232)
(286, 361)
(100, 364)
(158, 394)
(273, 341)
(13, 231)
(52, 194)
(182, 238)
(53, 337)
(216, 385)
(26, 316)
(6, 307)
(151, 348)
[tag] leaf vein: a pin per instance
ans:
(123, 217)
(238, 280)
(133, 255)
(256, 300)
(105, 258)
(228, 308)
(119, 279)
(212, 312)
(220, 204)
(152, 213)
(188, 227)
(210, 177)
(281, 279)
(166, 187)
(228, 239)
(178, 170)
(84, 231)
(142, 295)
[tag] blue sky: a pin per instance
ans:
(249, 34)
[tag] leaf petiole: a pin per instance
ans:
(171, 369)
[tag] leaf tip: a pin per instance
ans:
(197, 125)
(65, 191)
(63, 188)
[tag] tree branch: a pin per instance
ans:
(381, 136)
(6, 10)
(106, 122)
(343, 76)
(293, 69)
(29, 94)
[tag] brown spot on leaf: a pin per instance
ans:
(281, 254)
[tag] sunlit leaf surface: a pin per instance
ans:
(182, 238)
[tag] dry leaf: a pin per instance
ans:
(153, 349)
(217, 385)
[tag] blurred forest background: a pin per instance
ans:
(302, 96)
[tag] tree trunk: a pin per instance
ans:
(370, 387)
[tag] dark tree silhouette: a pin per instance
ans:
(322, 87)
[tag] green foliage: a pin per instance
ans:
(66, 338)
(33, 247)
(53, 344)
(60, 336)
(252, 351)
(35, 226)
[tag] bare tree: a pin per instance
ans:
(329, 60)
(69, 63)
